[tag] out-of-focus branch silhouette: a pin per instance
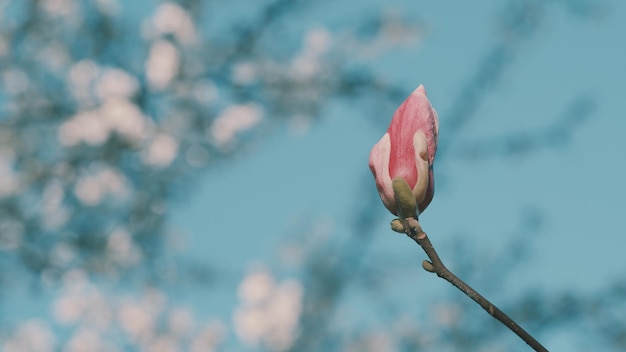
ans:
(520, 143)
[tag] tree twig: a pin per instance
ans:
(435, 265)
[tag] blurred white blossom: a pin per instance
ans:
(82, 302)
(162, 64)
(109, 7)
(86, 126)
(9, 179)
(121, 248)
(394, 31)
(99, 182)
(98, 319)
(233, 120)
(209, 337)
(81, 76)
(137, 321)
(87, 339)
(33, 335)
(170, 18)
(95, 126)
(244, 73)
(138, 317)
(60, 8)
(268, 311)
(115, 83)
(180, 322)
(308, 62)
(161, 151)
(373, 341)
(126, 118)
(256, 287)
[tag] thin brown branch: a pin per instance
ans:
(435, 265)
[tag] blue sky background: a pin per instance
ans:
(572, 187)
(576, 189)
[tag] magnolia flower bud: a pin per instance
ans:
(407, 151)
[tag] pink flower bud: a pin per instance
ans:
(407, 150)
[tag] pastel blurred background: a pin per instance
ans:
(192, 175)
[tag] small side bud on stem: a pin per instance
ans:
(428, 266)
(396, 225)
